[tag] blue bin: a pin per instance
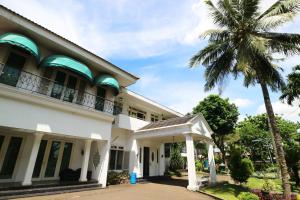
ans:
(133, 178)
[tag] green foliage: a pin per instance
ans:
(268, 185)
(240, 168)
(220, 114)
(255, 137)
(247, 196)
(176, 160)
(114, 177)
(199, 165)
(292, 89)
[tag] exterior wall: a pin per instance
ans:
(45, 118)
(129, 123)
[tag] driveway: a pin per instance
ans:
(162, 190)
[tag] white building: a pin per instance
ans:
(62, 106)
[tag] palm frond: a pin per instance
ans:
(286, 43)
(273, 22)
(217, 71)
(207, 55)
(218, 16)
(281, 7)
(249, 8)
(216, 34)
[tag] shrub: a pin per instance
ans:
(268, 185)
(199, 165)
(240, 168)
(176, 161)
(114, 177)
(247, 196)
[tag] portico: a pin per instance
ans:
(155, 135)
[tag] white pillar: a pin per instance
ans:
(104, 161)
(85, 161)
(33, 144)
(211, 162)
(193, 185)
(134, 157)
(162, 161)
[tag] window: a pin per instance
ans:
(140, 155)
(119, 159)
(157, 155)
(12, 69)
(154, 118)
(167, 150)
(133, 112)
(10, 158)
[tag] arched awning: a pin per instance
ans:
(22, 42)
(109, 81)
(64, 62)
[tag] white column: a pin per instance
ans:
(134, 157)
(85, 161)
(104, 161)
(211, 162)
(32, 144)
(162, 161)
(193, 186)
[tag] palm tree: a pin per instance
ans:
(243, 45)
(292, 91)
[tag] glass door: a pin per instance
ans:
(53, 157)
(12, 69)
(70, 89)
(58, 86)
(100, 99)
(10, 157)
(39, 159)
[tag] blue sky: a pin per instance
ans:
(154, 40)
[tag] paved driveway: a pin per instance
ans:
(173, 190)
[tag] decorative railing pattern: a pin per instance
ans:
(41, 85)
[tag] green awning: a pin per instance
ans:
(109, 81)
(67, 63)
(22, 42)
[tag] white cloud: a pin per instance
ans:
(242, 102)
(284, 110)
(120, 28)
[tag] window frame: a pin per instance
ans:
(117, 149)
(134, 112)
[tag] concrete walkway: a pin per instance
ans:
(164, 190)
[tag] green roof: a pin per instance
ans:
(22, 42)
(64, 62)
(109, 81)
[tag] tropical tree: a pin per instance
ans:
(221, 115)
(243, 44)
(292, 89)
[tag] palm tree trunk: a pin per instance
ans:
(278, 141)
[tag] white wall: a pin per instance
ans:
(24, 115)
(129, 123)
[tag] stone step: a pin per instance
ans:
(46, 190)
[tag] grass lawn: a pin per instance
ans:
(229, 191)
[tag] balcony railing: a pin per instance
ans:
(41, 85)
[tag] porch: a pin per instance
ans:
(35, 159)
(147, 148)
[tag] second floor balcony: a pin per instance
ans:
(36, 84)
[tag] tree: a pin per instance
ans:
(176, 160)
(243, 45)
(221, 115)
(292, 89)
(256, 128)
(240, 168)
